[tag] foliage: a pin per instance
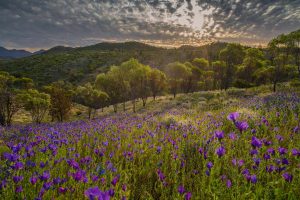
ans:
(61, 100)
(90, 97)
(37, 103)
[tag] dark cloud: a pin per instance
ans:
(42, 24)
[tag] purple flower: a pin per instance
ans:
(233, 116)
(33, 180)
(17, 179)
(254, 152)
(45, 176)
(219, 134)
(285, 161)
(62, 190)
(232, 136)
(256, 143)
(287, 177)
(188, 196)
(72, 163)
(253, 178)
(181, 189)
(271, 151)
(228, 183)
(18, 166)
(94, 193)
(158, 150)
(295, 152)
(209, 165)
(220, 151)
(115, 180)
(270, 168)
(47, 185)
(282, 150)
(19, 189)
(242, 126)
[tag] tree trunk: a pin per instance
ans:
(124, 107)
(102, 109)
(274, 86)
(144, 101)
(133, 105)
(174, 95)
(89, 112)
(154, 96)
(115, 108)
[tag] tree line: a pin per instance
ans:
(237, 66)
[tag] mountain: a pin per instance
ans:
(8, 54)
(82, 64)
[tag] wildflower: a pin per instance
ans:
(158, 150)
(253, 152)
(62, 190)
(19, 189)
(285, 161)
(295, 152)
(33, 180)
(220, 151)
(256, 143)
(181, 189)
(232, 136)
(209, 165)
(282, 150)
(287, 177)
(271, 151)
(228, 183)
(270, 168)
(253, 179)
(95, 193)
(242, 126)
(18, 166)
(233, 116)
(188, 196)
(219, 134)
(72, 163)
(115, 180)
(45, 176)
(17, 179)
(47, 185)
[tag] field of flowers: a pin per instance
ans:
(248, 150)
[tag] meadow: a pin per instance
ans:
(239, 144)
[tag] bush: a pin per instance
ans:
(237, 92)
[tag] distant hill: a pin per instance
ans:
(82, 64)
(14, 53)
(8, 54)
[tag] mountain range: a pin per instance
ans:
(82, 64)
(14, 53)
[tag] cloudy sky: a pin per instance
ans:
(34, 24)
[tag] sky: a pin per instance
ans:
(36, 24)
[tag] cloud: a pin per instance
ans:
(42, 24)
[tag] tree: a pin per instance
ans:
(219, 68)
(112, 86)
(35, 102)
(61, 100)
(254, 59)
(201, 63)
(137, 77)
(232, 55)
(157, 82)
(90, 97)
(9, 103)
(176, 72)
(191, 82)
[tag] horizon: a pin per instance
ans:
(32, 25)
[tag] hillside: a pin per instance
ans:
(84, 63)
